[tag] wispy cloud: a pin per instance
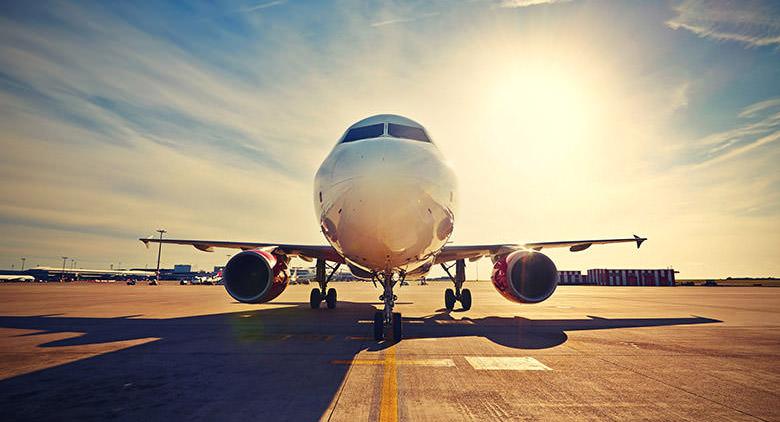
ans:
(759, 107)
(680, 96)
(754, 23)
(404, 20)
(528, 3)
(759, 127)
(261, 6)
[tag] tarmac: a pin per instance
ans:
(96, 351)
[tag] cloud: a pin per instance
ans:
(758, 107)
(110, 128)
(680, 96)
(528, 3)
(117, 120)
(759, 126)
(261, 6)
(754, 23)
(404, 20)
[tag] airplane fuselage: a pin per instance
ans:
(386, 203)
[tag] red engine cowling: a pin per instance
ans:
(525, 276)
(255, 276)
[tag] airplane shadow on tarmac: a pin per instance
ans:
(270, 363)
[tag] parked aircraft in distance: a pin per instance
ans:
(385, 200)
(13, 277)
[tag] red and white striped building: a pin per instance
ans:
(606, 277)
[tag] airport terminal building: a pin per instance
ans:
(619, 277)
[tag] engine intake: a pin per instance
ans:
(255, 276)
(525, 276)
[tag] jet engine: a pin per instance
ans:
(255, 276)
(525, 276)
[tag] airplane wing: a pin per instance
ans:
(474, 252)
(306, 252)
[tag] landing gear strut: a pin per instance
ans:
(323, 293)
(459, 294)
(388, 324)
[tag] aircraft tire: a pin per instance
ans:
(397, 327)
(315, 298)
(449, 299)
(379, 326)
(465, 299)
(330, 298)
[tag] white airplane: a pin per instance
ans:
(13, 277)
(385, 200)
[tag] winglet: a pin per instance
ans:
(146, 241)
(639, 240)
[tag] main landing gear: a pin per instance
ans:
(459, 294)
(388, 324)
(323, 293)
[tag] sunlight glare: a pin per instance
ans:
(545, 107)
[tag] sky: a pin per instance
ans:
(563, 119)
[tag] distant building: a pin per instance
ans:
(182, 268)
(302, 273)
(570, 277)
(607, 277)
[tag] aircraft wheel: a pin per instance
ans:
(330, 298)
(379, 326)
(397, 327)
(315, 298)
(465, 299)
(449, 299)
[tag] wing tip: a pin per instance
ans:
(639, 241)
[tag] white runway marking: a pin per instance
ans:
(506, 363)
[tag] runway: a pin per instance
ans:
(109, 351)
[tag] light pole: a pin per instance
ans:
(62, 276)
(156, 281)
(23, 259)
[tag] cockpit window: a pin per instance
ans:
(407, 132)
(364, 132)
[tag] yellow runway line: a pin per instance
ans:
(417, 362)
(455, 321)
(388, 409)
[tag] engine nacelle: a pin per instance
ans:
(255, 276)
(525, 276)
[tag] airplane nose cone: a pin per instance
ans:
(387, 206)
(386, 222)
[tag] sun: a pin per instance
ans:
(545, 106)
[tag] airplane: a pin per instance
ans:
(91, 273)
(16, 277)
(385, 199)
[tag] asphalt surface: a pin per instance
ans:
(91, 351)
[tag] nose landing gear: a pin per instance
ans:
(388, 324)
